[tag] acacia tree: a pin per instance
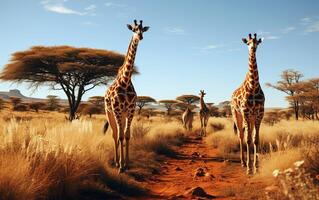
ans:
(142, 101)
(183, 106)
(168, 104)
(90, 109)
(97, 100)
(226, 108)
(308, 96)
(53, 102)
(272, 117)
(15, 101)
(213, 110)
(73, 70)
(36, 106)
(287, 85)
(188, 98)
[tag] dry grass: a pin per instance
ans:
(281, 144)
(51, 158)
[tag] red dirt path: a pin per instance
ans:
(223, 179)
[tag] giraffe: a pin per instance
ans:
(203, 113)
(247, 105)
(188, 117)
(120, 100)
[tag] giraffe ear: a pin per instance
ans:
(146, 28)
(244, 40)
(259, 41)
(129, 27)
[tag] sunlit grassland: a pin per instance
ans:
(43, 156)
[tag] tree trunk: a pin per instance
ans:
(71, 113)
(139, 110)
(296, 109)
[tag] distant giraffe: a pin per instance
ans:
(247, 107)
(203, 113)
(188, 117)
(120, 99)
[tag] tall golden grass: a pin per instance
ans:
(281, 144)
(43, 156)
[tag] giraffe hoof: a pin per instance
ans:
(249, 172)
(243, 164)
(121, 170)
(256, 170)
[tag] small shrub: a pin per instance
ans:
(296, 183)
(272, 118)
(311, 153)
(20, 107)
(217, 126)
(139, 130)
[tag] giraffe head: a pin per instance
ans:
(138, 29)
(252, 43)
(202, 93)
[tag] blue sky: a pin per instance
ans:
(191, 45)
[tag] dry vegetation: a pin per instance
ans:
(282, 144)
(44, 156)
(52, 158)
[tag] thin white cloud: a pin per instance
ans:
(61, 9)
(123, 10)
(212, 46)
(310, 25)
(271, 37)
(175, 31)
(313, 27)
(288, 29)
(89, 23)
(112, 4)
(58, 6)
(305, 20)
(267, 35)
(91, 7)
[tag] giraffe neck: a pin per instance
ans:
(202, 103)
(252, 77)
(126, 71)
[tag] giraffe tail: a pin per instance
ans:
(105, 127)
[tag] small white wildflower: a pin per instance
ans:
(299, 163)
(288, 171)
(276, 172)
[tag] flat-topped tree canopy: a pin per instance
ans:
(45, 64)
(73, 70)
(183, 106)
(168, 104)
(142, 101)
(97, 100)
(188, 98)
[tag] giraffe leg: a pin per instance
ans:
(112, 122)
(238, 119)
(128, 136)
(205, 125)
(191, 124)
(201, 126)
(256, 144)
(119, 121)
(184, 123)
(249, 143)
